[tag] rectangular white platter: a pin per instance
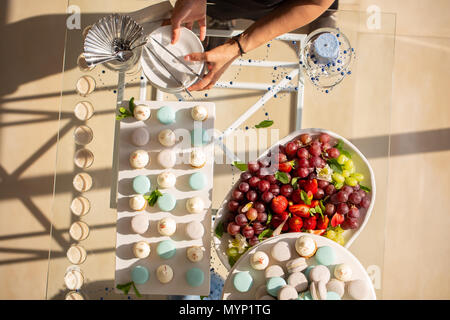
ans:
(125, 260)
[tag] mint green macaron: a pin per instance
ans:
(199, 137)
(166, 115)
(274, 285)
(242, 281)
(166, 249)
(305, 296)
(195, 277)
(141, 184)
(197, 181)
(325, 255)
(307, 271)
(166, 202)
(333, 296)
(139, 275)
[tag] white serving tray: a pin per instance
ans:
(362, 165)
(243, 264)
(125, 239)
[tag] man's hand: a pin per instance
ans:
(187, 12)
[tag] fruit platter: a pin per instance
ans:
(311, 181)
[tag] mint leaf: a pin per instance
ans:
(219, 230)
(294, 183)
(232, 260)
(269, 217)
(312, 210)
(122, 110)
(282, 177)
(138, 294)
(131, 105)
(339, 144)
(340, 147)
(264, 124)
(125, 287)
(240, 166)
(304, 197)
(265, 234)
(321, 205)
(334, 165)
(366, 189)
(154, 197)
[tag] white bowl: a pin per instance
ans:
(361, 164)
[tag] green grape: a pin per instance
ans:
(338, 185)
(331, 234)
(348, 165)
(338, 230)
(351, 181)
(338, 177)
(342, 159)
(345, 173)
(340, 239)
(358, 176)
(352, 170)
(232, 252)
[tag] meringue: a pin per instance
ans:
(343, 272)
(141, 113)
(167, 226)
(139, 159)
(198, 158)
(167, 137)
(199, 113)
(166, 180)
(138, 202)
(305, 246)
(195, 205)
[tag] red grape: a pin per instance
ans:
(251, 214)
(259, 206)
(322, 184)
(330, 209)
(333, 199)
(342, 196)
(361, 193)
(241, 220)
(303, 172)
(244, 186)
(333, 153)
(357, 187)
(248, 232)
(350, 223)
(319, 194)
(237, 195)
(326, 146)
(342, 208)
(353, 213)
(253, 241)
(274, 189)
(233, 229)
(303, 163)
(267, 196)
(282, 158)
(365, 202)
(354, 198)
(245, 176)
(330, 189)
(286, 190)
(253, 182)
(347, 189)
(258, 227)
(271, 178)
(302, 153)
(324, 138)
(305, 138)
(263, 185)
(251, 195)
(262, 217)
(291, 148)
(253, 166)
(315, 162)
(315, 150)
(233, 205)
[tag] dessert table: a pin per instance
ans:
(268, 83)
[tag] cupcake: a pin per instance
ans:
(167, 138)
(167, 226)
(164, 273)
(259, 260)
(166, 180)
(141, 113)
(195, 205)
(343, 272)
(138, 203)
(199, 113)
(306, 246)
(139, 159)
(198, 158)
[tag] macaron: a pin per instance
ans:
(141, 112)
(298, 281)
(140, 223)
(242, 281)
(325, 255)
(336, 286)
(267, 297)
(195, 205)
(167, 137)
(166, 115)
(198, 158)
(197, 181)
(195, 277)
(307, 272)
(305, 296)
(79, 230)
(199, 137)
(274, 284)
(141, 184)
(343, 272)
(358, 289)
(139, 159)
(287, 292)
(333, 296)
(137, 202)
(305, 246)
(194, 253)
(167, 158)
(80, 206)
(166, 202)
(76, 254)
(318, 290)
(166, 249)
(164, 273)
(140, 137)
(195, 230)
(167, 226)
(281, 251)
(73, 278)
(199, 113)
(139, 274)
(166, 180)
(320, 273)
(296, 265)
(274, 271)
(259, 260)
(141, 249)
(261, 291)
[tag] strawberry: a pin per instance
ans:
(300, 210)
(322, 223)
(279, 204)
(337, 219)
(286, 166)
(295, 224)
(311, 185)
(314, 203)
(296, 197)
(278, 219)
(310, 223)
(318, 232)
(281, 157)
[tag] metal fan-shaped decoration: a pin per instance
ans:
(112, 38)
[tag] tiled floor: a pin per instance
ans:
(417, 247)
